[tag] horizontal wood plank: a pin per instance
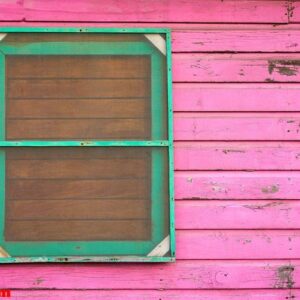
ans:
(236, 68)
(238, 244)
(195, 274)
(40, 153)
(154, 294)
(77, 168)
(237, 185)
(88, 66)
(82, 129)
(231, 39)
(236, 126)
(79, 88)
(250, 214)
(77, 108)
(11, 11)
(253, 11)
(34, 189)
(237, 156)
(210, 97)
(77, 209)
(70, 230)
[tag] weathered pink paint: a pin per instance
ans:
(238, 244)
(237, 156)
(224, 39)
(184, 274)
(236, 67)
(236, 126)
(253, 11)
(230, 118)
(238, 214)
(236, 97)
(155, 295)
(237, 185)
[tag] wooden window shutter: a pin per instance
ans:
(86, 146)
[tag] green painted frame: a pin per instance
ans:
(136, 249)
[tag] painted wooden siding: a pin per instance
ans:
(237, 154)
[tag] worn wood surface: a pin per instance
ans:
(237, 126)
(236, 67)
(238, 214)
(236, 97)
(184, 274)
(238, 244)
(154, 295)
(61, 97)
(237, 185)
(70, 194)
(231, 117)
(237, 155)
(236, 39)
(253, 11)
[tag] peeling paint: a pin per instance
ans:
(284, 277)
(284, 67)
(189, 179)
(263, 206)
(290, 9)
(233, 151)
(38, 281)
(270, 189)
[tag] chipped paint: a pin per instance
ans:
(270, 189)
(284, 67)
(284, 277)
(233, 151)
(263, 206)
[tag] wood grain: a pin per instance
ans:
(238, 244)
(231, 185)
(77, 108)
(237, 156)
(79, 88)
(236, 97)
(238, 214)
(237, 126)
(95, 230)
(77, 129)
(154, 294)
(78, 168)
(233, 38)
(182, 11)
(34, 189)
(236, 67)
(109, 209)
(202, 274)
(90, 66)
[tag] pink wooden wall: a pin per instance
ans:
(237, 159)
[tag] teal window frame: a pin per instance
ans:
(29, 251)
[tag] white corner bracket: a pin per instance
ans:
(3, 253)
(162, 248)
(158, 41)
(2, 36)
